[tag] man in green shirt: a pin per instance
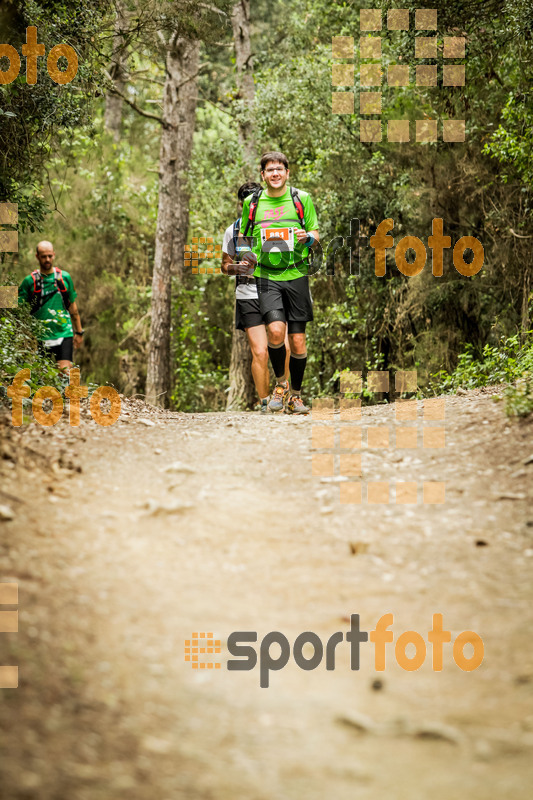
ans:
(283, 224)
(51, 295)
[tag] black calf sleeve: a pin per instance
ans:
(277, 359)
(297, 368)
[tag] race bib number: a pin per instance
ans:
(285, 237)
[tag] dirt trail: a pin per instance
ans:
(120, 563)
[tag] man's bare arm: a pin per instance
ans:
(226, 260)
(76, 324)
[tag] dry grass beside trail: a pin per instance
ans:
(125, 540)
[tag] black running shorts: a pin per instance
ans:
(289, 300)
(247, 314)
(63, 351)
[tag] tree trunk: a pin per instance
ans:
(526, 295)
(242, 390)
(179, 110)
(240, 20)
(118, 72)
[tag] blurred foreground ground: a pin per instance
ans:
(118, 564)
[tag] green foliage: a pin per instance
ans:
(519, 397)
(512, 142)
(215, 173)
(501, 363)
(34, 118)
(201, 345)
(19, 350)
(508, 362)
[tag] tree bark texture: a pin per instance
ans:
(242, 390)
(526, 299)
(118, 72)
(240, 20)
(180, 95)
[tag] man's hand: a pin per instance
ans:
(78, 340)
(245, 266)
(302, 235)
(240, 268)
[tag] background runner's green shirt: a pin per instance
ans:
(52, 312)
(280, 212)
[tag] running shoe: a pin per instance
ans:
(264, 405)
(278, 396)
(295, 405)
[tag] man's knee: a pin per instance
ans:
(258, 342)
(260, 354)
(297, 343)
(276, 333)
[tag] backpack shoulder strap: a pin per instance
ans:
(235, 234)
(250, 222)
(37, 291)
(298, 205)
(62, 287)
(37, 281)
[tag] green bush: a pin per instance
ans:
(501, 363)
(201, 344)
(509, 362)
(519, 397)
(19, 350)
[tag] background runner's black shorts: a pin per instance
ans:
(291, 297)
(63, 351)
(247, 314)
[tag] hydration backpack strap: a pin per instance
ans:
(252, 212)
(62, 287)
(235, 234)
(37, 281)
(37, 296)
(298, 205)
(300, 211)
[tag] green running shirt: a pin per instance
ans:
(52, 312)
(279, 212)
